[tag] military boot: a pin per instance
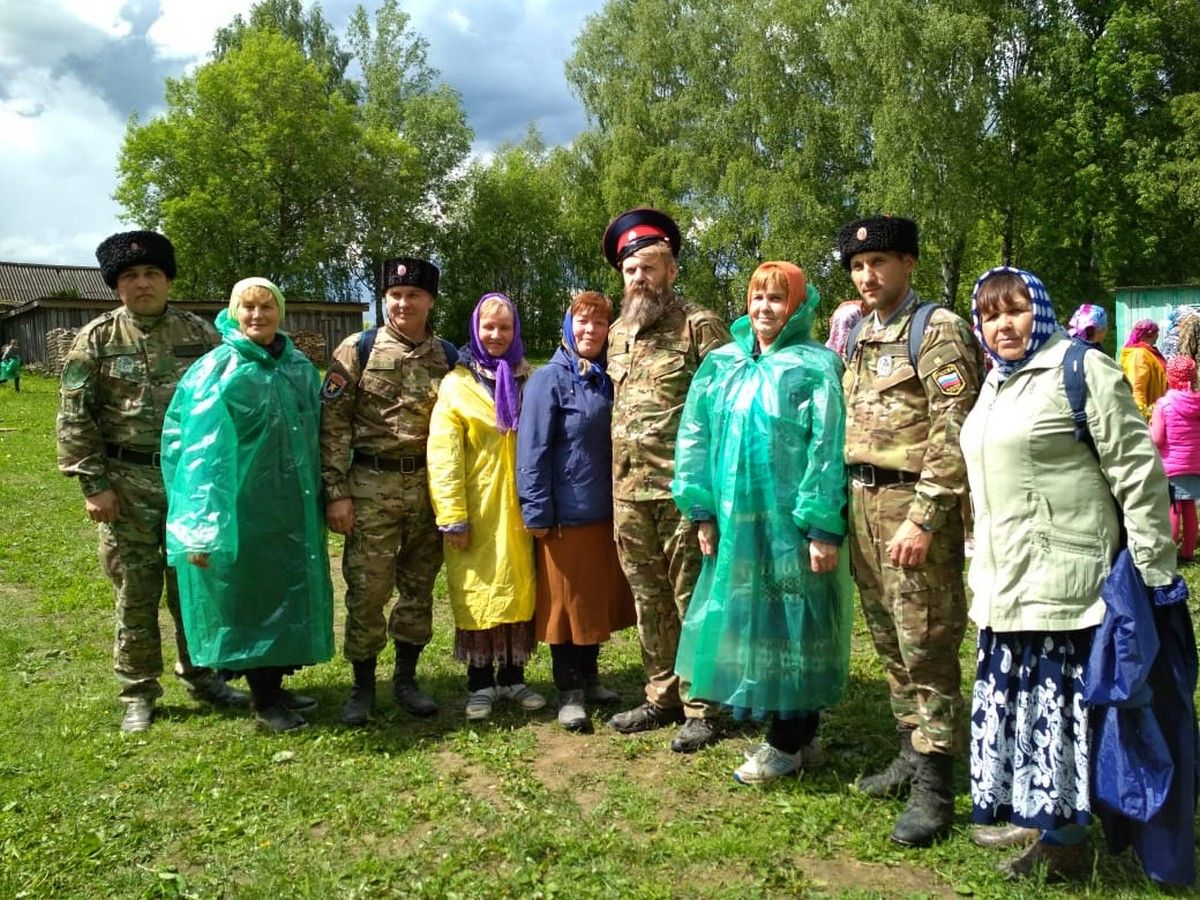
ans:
(211, 688)
(895, 779)
(930, 810)
(404, 682)
(139, 713)
(358, 707)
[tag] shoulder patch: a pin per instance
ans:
(950, 380)
(333, 386)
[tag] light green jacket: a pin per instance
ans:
(1046, 529)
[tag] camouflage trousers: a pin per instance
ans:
(656, 545)
(916, 616)
(395, 545)
(132, 556)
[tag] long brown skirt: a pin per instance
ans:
(582, 594)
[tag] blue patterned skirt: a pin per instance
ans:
(1030, 739)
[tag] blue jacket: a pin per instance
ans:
(564, 450)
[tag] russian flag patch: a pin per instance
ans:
(950, 380)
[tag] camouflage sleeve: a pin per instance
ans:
(80, 443)
(338, 393)
(708, 332)
(951, 370)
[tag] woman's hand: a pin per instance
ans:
(459, 540)
(339, 515)
(199, 560)
(706, 535)
(822, 557)
(538, 533)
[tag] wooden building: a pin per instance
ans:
(35, 299)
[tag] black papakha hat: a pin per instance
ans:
(637, 228)
(134, 248)
(411, 272)
(890, 233)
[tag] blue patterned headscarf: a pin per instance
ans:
(1044, 322)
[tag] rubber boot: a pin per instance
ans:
(895, 779)
(362, 695)
(930, 810)
(404, 682)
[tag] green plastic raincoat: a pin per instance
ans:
(243, 474)
(760, 451)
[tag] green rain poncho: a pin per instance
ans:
(241, 465)
(760, 450)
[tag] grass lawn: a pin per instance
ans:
(206, 805)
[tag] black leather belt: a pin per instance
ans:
(406, 464)
(872, 476)
(125, 454)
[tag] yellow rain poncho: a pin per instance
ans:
(472, 479)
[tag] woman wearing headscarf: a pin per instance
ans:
(245, 520)
(1089, 323)
(472, 461)
(848, 314)
(1047, 530)
(1144, 367)
(1175, 428)
(759, 466)
(564, 479)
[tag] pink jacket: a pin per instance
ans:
(1175, 427)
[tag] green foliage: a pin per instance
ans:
(271, 160)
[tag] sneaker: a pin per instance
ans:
(646, 717)
(598, 693)
(767, 764)
(520, 694)
(694, 734)
(810, 755)
(572, 715)
(479, 703)
(139, 713)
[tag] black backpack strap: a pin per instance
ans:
(1075, 384)
(916, 331)
(366, 343)
(451, 353)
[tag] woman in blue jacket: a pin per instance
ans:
(564, 479)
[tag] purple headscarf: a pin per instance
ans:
(507, 397)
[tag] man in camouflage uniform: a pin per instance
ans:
(375, 407)
(907, 483)
(654, 349)
(119, 378)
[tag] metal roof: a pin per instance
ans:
(22, 282)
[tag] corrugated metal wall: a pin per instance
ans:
(1153, 302)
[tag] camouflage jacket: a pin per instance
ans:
(382, 409)
(651, 371)
(118, 381)
(909, 420)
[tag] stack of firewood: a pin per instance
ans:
(58, 345)
(311, 344)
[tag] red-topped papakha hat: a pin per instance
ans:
(637, 228)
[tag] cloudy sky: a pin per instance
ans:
(73, 71)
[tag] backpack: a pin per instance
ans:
(916, 332)
(366, 343)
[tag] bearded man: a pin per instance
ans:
(654, 349)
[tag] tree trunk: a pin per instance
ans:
(951, 260)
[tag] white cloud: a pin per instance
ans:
(185, 28)
(459, 20)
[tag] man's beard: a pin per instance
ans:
(644, 306)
